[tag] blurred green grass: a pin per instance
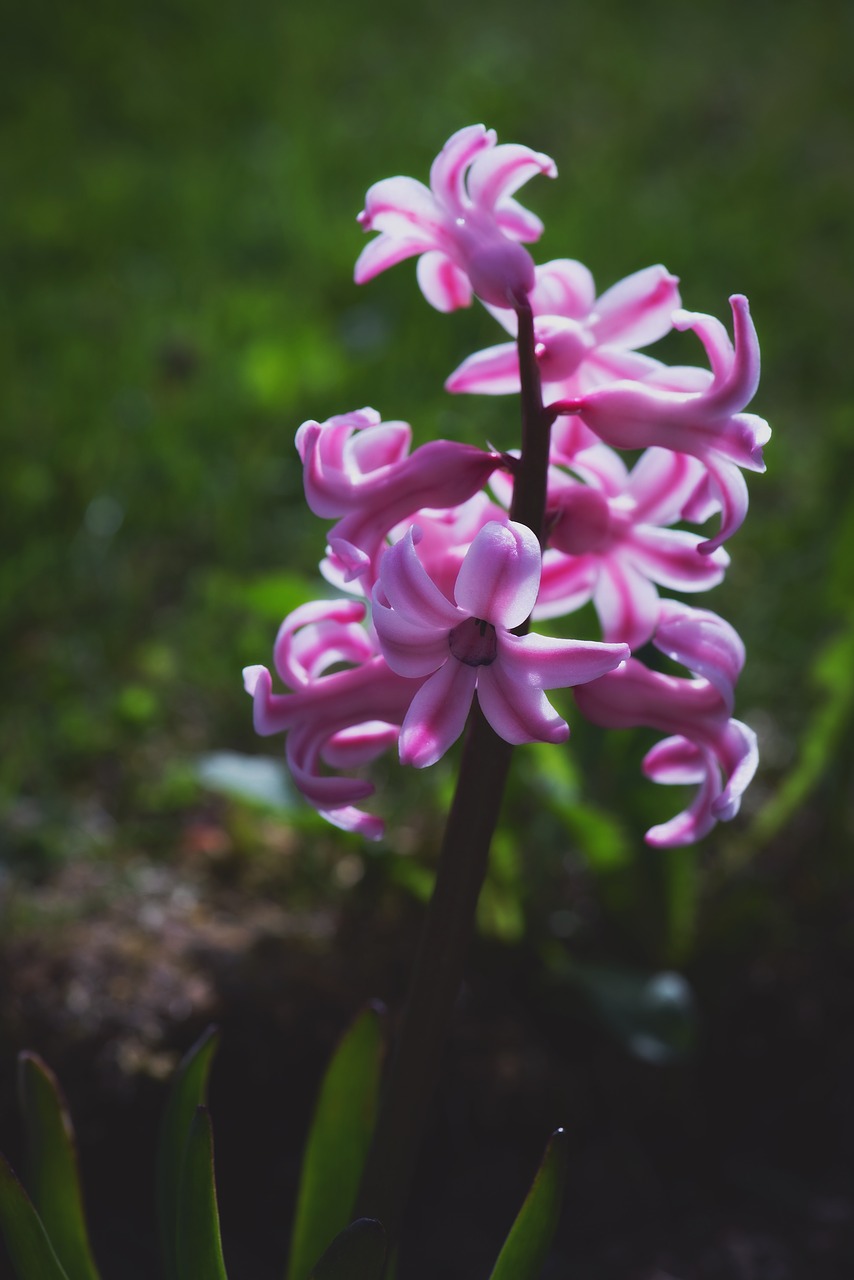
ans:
(177, 238)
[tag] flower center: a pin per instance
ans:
(474, 642)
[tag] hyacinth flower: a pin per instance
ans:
(341, 719)
(707, 747)
(466, 228)
(459, 647)
(359, 468)
(453, 580)
(581, 341)
(610, 540)
(708, 423)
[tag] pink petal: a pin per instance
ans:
(517, 222)
(698, 819)
(626, 602)
(603, 467)
(704, 643)
(518, 712)
(492, 372)
(410, 648)
(739, 754)
(566, 584)
(637, 310)
(675, 762)
(360, 823)
(447, 173)
(437, 714)
(443, 284)
(318, 635)
(735, 367)
(386, 251)
(661, 484)
(672, 558)
(563, 287)
(612, 364)
(384, 444)
(541, 662)
(731, 488)
(411, 591)
(359, 744)
(497, 174)
(500, 576)
(403, 208)
(562, 345)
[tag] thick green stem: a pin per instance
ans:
(463, 863)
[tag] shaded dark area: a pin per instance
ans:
(734, 1160)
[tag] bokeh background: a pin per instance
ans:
(180, 183)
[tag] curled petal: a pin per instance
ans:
(359, 744)
(739, 754)
(704, 643)
(411, 591)
(410, 648)
(676, 760)
(316, 636)
(731, 489)
(734, 365)
(437, 714)
(447, 172)
(500, 576)
(498, 174)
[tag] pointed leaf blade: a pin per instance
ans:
(188, 1091)
(525, 1250)
(27, 1242)
(356, 1253)
(338, 1142)
(53, 1174)
(199, 1244)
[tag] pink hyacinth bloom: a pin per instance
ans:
(580, 341)
(609, 540)
(707, 423)
(466, 227)
(357, 467)
(457, 648)
(707, 748)
(337, 719)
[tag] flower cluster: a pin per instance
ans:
(438, 579)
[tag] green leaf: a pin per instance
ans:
(52, 1171)
(337, 1142)
(26, 1240)
(199, 1245)
(357, 1253)
(188, 1091)
(526, 1247)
